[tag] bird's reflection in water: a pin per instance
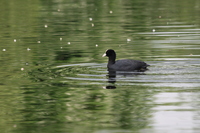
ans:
(112, 77)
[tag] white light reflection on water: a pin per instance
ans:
(174, 112)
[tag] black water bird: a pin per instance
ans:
(125, 64)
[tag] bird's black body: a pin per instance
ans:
(125, 64)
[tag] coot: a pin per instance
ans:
(125, 64)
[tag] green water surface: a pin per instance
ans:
(54, 80)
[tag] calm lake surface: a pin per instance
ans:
(53, 78)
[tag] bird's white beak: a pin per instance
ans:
(104, 55)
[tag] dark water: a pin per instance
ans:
(53, 78)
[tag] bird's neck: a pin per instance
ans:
(112, 59)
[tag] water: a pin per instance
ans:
(53, 78)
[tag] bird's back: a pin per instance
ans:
(128, 65)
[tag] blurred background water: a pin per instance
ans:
(54, 80)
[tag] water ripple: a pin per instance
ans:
(182, 73)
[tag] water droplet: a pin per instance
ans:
(128, 40)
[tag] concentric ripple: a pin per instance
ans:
(169, 73)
